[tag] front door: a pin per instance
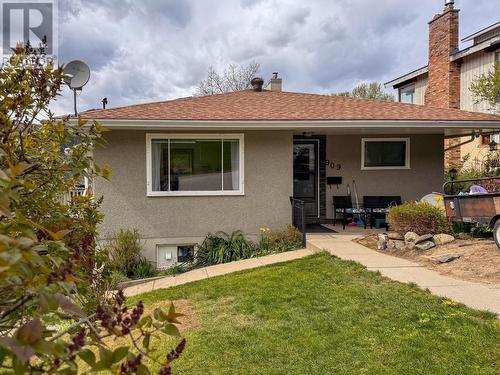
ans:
(305, 176)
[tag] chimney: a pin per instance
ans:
(276, 83)
(443, 90)
(257, 84)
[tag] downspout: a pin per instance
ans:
(473, 136)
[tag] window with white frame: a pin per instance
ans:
(385, 153)
(407, 94)
(181, 164)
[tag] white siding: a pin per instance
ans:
(472, 67)
(420, 88)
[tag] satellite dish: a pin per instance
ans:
(76, 74)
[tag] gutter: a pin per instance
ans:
(294, 124)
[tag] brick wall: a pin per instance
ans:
(443, 90)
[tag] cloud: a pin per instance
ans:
(142, 51)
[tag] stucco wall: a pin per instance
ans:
(425, 175)
(184, 220)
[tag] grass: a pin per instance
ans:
(322, 315)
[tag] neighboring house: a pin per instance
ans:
(183, 168)
(445, 82)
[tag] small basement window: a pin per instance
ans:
(185, 253)
(385, 153)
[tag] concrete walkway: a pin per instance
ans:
(217, 270)
(476, 295)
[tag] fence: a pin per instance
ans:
(299, 217)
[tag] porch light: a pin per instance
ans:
(453, 174)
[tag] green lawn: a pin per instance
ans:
(322, 315)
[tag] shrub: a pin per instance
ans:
(284, 240)
(421, 218)
(125, 250)
(222, 248)
(142, 269)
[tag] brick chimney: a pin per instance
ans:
(276, 83)
(443, 89)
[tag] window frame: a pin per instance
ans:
(166, 136)
(405, 88)
(407, 153)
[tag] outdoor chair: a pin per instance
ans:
(342, 205)
(378, 206)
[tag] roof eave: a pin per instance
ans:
(292, 124)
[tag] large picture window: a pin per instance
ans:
(385, 153)
(194, 164)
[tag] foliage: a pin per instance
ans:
(323, 315)
(142, 269)
(418, 217)
(222, 248)
(471, 173)
(234, 78)
(124, 249)
(117, 277)
(372, 90)
(50, 270)
(175, 270)
(280, 241)
(486, 88)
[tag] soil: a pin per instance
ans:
(479, 258)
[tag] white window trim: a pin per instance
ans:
(407, 156)
(151, 193)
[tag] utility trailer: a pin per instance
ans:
(483, 208)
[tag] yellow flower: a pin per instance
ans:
(449, 302)
(439, 198)
(264, 229)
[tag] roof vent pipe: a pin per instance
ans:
(257, 83)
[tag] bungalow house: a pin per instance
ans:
(446, 80)
(183, 168)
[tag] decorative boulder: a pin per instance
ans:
(395, 236)
(390, 245)
(382, 241)
(442, 239)
(411, 237)
(410, 245)
(398, 244)
(426, 245)
(447, 258)
(424, 237)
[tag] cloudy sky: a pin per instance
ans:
(149, 50)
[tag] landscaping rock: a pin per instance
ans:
(447, 258)
(442, 239)
(395, 236)
(411, 237)
(390, 245)
(398, 244)
(382, 241)
(424, 237)
(410, 245)
(426, 245)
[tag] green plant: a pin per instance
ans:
(481, 230)
(54, 315)
(117, 277)
(175, 270)
(279, 241)
(142, 269)
(222, 248)
(124, 249)
(418, 217)
(486, 88)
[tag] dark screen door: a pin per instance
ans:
(305, 175)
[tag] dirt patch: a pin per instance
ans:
(479, 258)
(183, 306)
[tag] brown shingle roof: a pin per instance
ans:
(249, 105)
